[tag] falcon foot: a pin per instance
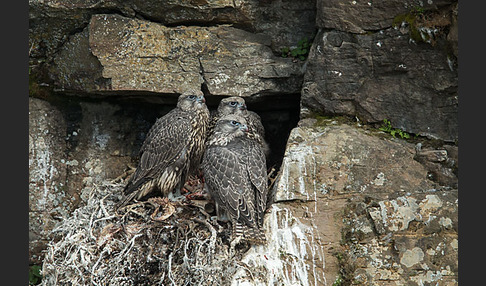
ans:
(197, 196)
(233, 244)
(193, 185)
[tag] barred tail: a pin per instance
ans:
(133, 191)
(251, 234)
(126, 200)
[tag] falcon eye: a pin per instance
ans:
(233, 103)
(191, 97)
(235, 122)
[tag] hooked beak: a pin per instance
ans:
(242, 106)
(201, 99)
(244, 128)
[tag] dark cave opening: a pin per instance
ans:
(133, 115)
(279, 115)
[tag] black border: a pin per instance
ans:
(15, 155)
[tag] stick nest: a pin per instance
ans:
(156, 242)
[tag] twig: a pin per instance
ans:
(102, 205)
(214, 234)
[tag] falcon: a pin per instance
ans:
(236, 105)
(234, 170)
(172, 150)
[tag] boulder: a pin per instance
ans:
(130, 55)
(52, 22)
(339, 159)
(285, 22)
(383, 75)
(407, 239)
(441, 163)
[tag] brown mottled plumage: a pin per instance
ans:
(172, 149)
(235, 174)
(236, 105)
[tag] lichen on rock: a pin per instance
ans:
(122, 54)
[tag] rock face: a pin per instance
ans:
(72, 147)
(285, 22)
(352, 205)
(361, 16)
(141, 56)
(368, 206)
(48, 199)
(403, 69)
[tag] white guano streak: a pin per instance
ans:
(298, 156)
(288, 256)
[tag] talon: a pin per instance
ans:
(196, 196)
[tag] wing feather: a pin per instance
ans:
(255, 122)
(228, 183)
(166, 142)
(257, 173)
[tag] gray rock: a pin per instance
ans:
(362, 16)
(75, 68)
(283, 22)
(433, 155)
(383, 75)
(200, 12)
(51, 22)
(141, 56)
(369, 204)
(441, 167)
(49, 198)
(340, 159)
(453, 36)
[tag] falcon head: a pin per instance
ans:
(232, 124)
(232, 105)
(191, 100)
